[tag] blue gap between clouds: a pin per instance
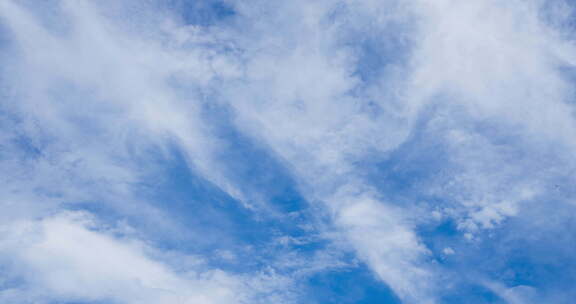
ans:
(348, 286)
(203, 13)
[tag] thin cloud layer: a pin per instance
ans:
(259, 152)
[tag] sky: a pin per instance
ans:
(286, 152)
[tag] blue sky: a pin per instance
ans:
(287, 151)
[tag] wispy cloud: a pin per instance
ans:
(228, 152)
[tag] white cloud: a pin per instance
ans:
(100, 91)
(500, 61)
(386, 242)
(484, 61)
(66, 256)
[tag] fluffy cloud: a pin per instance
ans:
(67, 257)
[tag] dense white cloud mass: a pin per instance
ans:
(233, 152)
(63, 257)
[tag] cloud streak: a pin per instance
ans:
(411, 138)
